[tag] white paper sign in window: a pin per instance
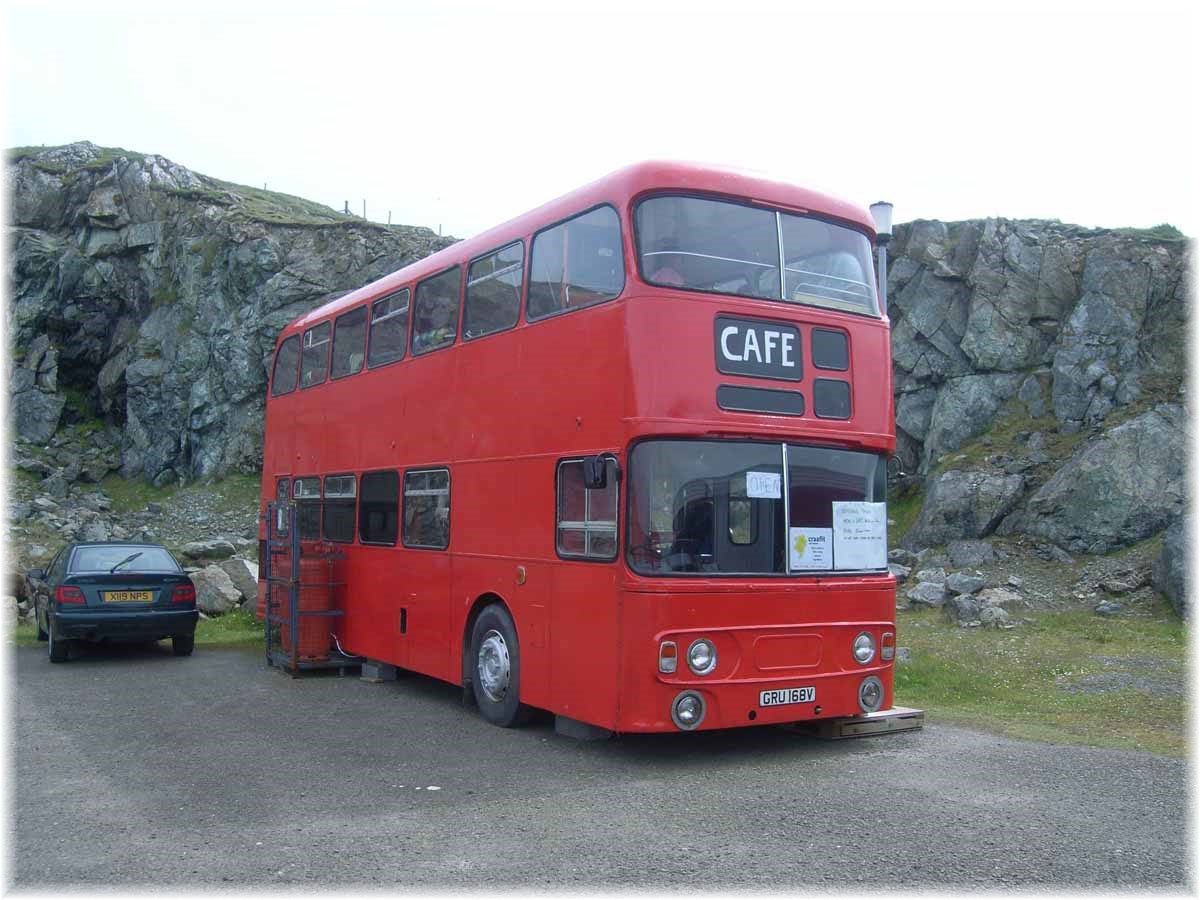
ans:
(859, 535)
(765, 485)
(810, 548)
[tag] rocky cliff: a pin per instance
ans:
(1039, 367)
(149, 296)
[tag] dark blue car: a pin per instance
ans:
(113, 591)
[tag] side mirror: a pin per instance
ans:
(595, 470)
(36, 574)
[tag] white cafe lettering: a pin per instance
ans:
(772, 341)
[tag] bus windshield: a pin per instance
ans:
(728, 248)
(718, 507)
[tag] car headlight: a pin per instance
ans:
(702, 656)
(688, 710)
(864, 647)
(870, 694)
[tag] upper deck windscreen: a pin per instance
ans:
(728, 248)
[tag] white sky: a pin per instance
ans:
(463, 115)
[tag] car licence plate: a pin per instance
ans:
(128, 596)
(787, 696)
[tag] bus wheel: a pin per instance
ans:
(496, 668)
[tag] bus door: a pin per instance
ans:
(426, 572)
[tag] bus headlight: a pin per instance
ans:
(870, 694)
(702, 657)
(864, 647)
(688, 710)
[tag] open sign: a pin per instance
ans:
(758, 348)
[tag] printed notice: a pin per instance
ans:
(763, 484)
(810, 548)
(859, 535)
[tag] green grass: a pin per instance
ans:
(132, 495)
(230, 630)
(903, 509)
(1019, 681)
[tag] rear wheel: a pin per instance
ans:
(496, 668)
(57, 648)
(182, 645)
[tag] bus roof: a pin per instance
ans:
(619, 188)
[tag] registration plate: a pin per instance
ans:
(787, 696)
(128, 596)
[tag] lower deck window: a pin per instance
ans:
(427, 509)
(379, 507)
(307, 494)
(337, 515)
(587, 517)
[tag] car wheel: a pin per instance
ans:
(495, 665)
(57, 647)
(182, 645)
(42, 634)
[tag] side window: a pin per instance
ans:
(389, 329)
(576, 264)
(586, 519)
(427, 509)
(282, 488)
(349, 343)
(314, 363)
(379, 507)
(283, 377)
(493, 300)
(307, 494)
(58, 565)
(337, 516)
(435, 312)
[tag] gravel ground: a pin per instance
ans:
(134, 768)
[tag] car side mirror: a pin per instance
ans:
(36, 574)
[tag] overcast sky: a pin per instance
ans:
(464, 115)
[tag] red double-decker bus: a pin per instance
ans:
(621, 458)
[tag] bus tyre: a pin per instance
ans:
(495, 667)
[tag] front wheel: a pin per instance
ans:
(496, 668)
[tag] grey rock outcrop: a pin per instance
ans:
(1125, 485)
(216, 593)
(155, 294)
(963, 504)
(1061, 320)
(1171, 575)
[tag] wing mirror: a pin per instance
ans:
(595, 470)
(36, 574)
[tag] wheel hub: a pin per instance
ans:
(493, 666)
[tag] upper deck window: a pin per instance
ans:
(389, 329)
(493, 300)
(435, 312)
(728, 248)
(314, 362)
(283, 378)
(576, 263)
(349, 342)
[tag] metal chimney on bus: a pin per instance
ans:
(881, 212)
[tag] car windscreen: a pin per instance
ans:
(717, 246)
(103, 559)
